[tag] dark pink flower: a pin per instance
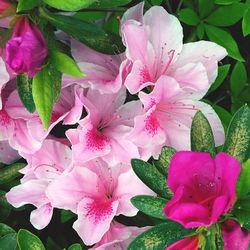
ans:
(189, 243)
(27, 49)
(234, 237)
(4, 5)
(203, 187)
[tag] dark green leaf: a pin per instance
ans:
(150, 205)
(24, 87)
(224, 116)
(27, 5)
(91, 16)
(238, 135)
(225, 2)
(205, 7)
(226, 15)
(243, 182)
(158, 237)
(10, 172)
(28, 241)
(3, 202)
(75, 247)
(202, 139)
(156, 2)
(151, 177)
(8, 242)
(238, 78)
(66, 216)
(72, 5)
(46, 89)
(109, 3)
(224, 39)
(5, 229)
(164, 160)
(241, 211)
(189, 16)
(200, 31)
(246, 23)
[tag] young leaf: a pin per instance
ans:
(151, 177)
(226, 15)
(46, 89)
(202, 139)
(65, 64)
(10, 172)
(75, 247)
(28, 241)
(163, 162)
(243, 183)
(150, 205)
(27, 5)
(159, 237)
(246, 23)
(238, 135)
(24, 88)
(238, 79)
(224, 39)
(8, 242)
(189, 16)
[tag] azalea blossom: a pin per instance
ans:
(154, 47)
(96, 193)
(188, 243)
(103, 132)
(7, 154)
(169, 111)
(206, 189)
(43, 167)
(4, 77)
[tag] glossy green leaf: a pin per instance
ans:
(202, 139)
(237, 141)
(109, 4)
(225, 2)
(241, 211)
(165, 157)
(27, 5)
(46, 89)
(90, 16)
(222, 74)
(5, 229)
(10, 172)
(75, 247)
(224, 39)
(8, 242)
(88, 33)
(238, 78)
(150, 205)
(200, 31)
(65, 64)
(189, 16)
(72, 5)
(246, 23)
(205, 7)
(28, 241)
(226, 15)
(151, 177)
(243, 182)
(159, 237)
(24, 88)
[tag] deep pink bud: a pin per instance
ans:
(27, 49)
(189, 243)
(4, 5)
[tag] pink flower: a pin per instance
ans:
(4, 78)
(96, 194)
(155, 48)
(118, 237)
(27, 48)
(203, 187)
(43, 167)
(169, 111)
(4, 5)
(103, 132)
(104, 73)
(234, 237)
(189, 243)
(7, 154)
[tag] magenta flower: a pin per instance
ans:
(203, 187)
(27, 49)
(189, 243)
(234, 237)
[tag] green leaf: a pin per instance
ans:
(224, 39)
(28, 241)
(202, 139)
(24, 88)
(205, 7)
(222, 74)
(8, 242)
(224, 116)
(151, 177)
(91, 16)
(225, 2)
(3, 202)
(238, 135)
(238, 78)
(27, 5)
(66, 215)
(241, 211)
(226, 15)
(46, 89)
(200, 31)
(150, 205)
(88, 33)
(163, 162)
(156, 2)
(5, 229)
(158, 237)
(72, 5)
(246, 23)
(65, 64)
(10, 172)
(189, 16)
(109, 3)
(75, 247)
(243, 182)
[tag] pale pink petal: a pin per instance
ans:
(135, 13)
(7, 154)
